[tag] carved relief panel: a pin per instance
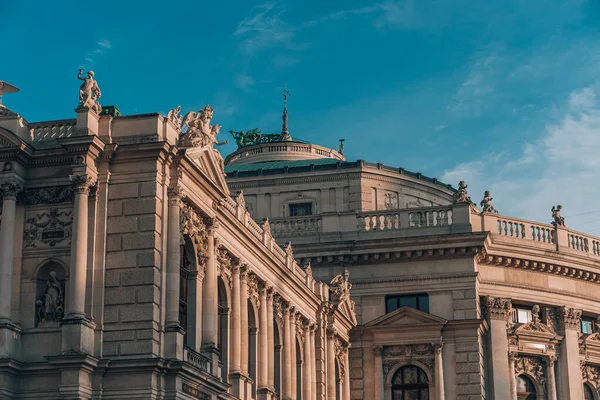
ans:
(48, 229)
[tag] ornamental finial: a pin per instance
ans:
(285, 134)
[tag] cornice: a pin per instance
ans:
(414, 278)
(531, 264)
(529, 287)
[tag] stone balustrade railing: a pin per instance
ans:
(437, 220)
(197, 360)
(45, 131)
(295, 226)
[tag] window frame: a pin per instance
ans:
(298, 204)
(589, 320)
(420, 298)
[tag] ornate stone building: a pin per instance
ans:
(128, 272)
(453, 301)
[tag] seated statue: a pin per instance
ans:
(486, 203)
(557, 218)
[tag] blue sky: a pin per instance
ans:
(503, 94)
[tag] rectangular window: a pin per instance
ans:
(300, 209)
(417, 301)
(587, 326)
(521, 315)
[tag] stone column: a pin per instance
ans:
(346, 385)
(271, 340)
(331, 365)
(236, 320)
(439, 373)
(294, 357)
(306, 366)
(244, 319)
(286, 387)
(210, 315)
(313, 362)
(498, 312)
(78, 270)
(512, 376)
(9, 190)
(569, 366)
(551, 378)
(378, 369)
(263, 363)
(195, 309)
(173, 331)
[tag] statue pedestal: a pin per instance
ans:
(78, 336)
(9, 340)
(87, 122)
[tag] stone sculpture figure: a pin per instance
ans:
(89, 92)
(175, 116)
(486, 203)
(340, 287)
(200, 132)
(461, 196)
(557, 218)
(50, 304)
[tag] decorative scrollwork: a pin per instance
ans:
(49, 227)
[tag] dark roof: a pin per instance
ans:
(319, 164)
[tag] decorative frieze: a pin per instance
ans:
(408, 350)
(497, 308)
(48, 195)
(51, 228)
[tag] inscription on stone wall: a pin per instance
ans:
(194, 392)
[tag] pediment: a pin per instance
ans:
(406, 316)
(593, 339)
(210, 161)
(9, 139)
(535, 328)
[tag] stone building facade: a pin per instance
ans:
(453, 301)
(128, 272)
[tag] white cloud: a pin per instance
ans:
(473, 93)
(561, 166)
(105, 44)
(244, 81)
(263, 29)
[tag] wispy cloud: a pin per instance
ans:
(244, 81)
(101, 47)
(560, 166)
(475, 89)
(263, 29)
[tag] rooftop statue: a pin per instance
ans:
(89, 92)
(461, 196)
(558, 219)
(486, 203)
(254, 137)
(200, 132)
(175, 116)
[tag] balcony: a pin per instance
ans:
(197, 360)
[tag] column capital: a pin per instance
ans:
(550, 360)
(10, 190)
(81, 183)
(437, 348)
(569, 318)
(212, 224)
(244, 270)
(378, 350)
(175, 194)
(270, 293)
(498, 308)
(512, 355)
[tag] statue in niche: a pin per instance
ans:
(486, 203)
(557, 218)
(461, 196)
(51, 303)
(89, 92)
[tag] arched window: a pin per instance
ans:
(587, 393)
(410, 383)
(252, 345)
(525, 388)
(185, 267)
(223, 331)
(277, 359)
(298, 370)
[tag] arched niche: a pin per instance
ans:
(223, 329)
(50, 285)
(252, 345)
(527, 387)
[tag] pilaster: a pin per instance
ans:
(569, 366)
(498, 312)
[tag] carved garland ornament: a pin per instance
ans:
(48, 195)
(48, 227)
(423, 353)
